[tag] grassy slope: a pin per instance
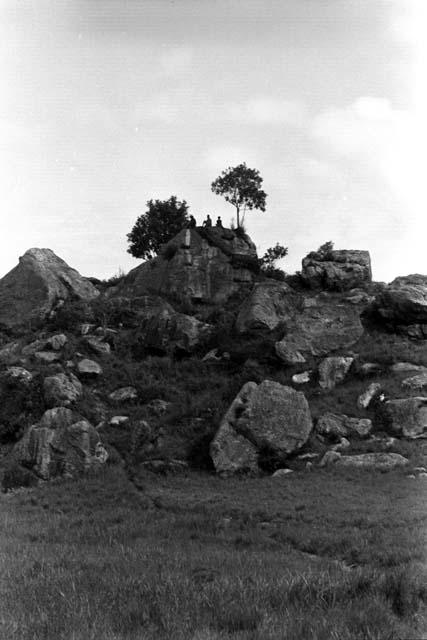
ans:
(201, 558)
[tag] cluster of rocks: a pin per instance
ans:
(265, 419)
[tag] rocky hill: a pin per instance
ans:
(196, 358)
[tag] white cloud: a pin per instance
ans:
(380, 138)
(265, 111)
(176, 60)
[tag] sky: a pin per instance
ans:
(105, 104)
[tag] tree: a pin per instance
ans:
(161, 222)
(268, 261)
(241, 186)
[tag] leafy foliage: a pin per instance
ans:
(161, 222)
(324, 252)
(241, 187)
(269, 259)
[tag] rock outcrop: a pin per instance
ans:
(333, 370)
(61, 444)
(338, 270)
(206, 265)
(61, 390)
(39, 283)
(366, 461)
(313, 325)
(268, 416)
(404, 302)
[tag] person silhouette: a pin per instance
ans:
(208, 221)
(219, 222)
(192, 223)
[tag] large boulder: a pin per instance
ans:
(61, 444)
(337, 270)
(268, 416)
(37, 285)
(404, 301)
(313, 325)
(406, 417)
(206, 265)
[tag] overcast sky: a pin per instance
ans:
(105, 104)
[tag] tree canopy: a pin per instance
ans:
(241, 187)
(161, 222)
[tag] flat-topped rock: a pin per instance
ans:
(338, 270)
(36, 285)
(206, 265)
(404, 301)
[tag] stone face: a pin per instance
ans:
(367, 461)
(315, 325)
(407, 417)
(61, 444)
(268, 415)
(230, 451)
(365, 398)
(124, 394)
(339, 271)
(89, 368)
(207, 265)
(118, 421)
(404, 301)
(174, 332)
(337, 425)
(36, 285)
(61, 390)
(268, 304)
(333, 370)
(403, 367)
(9, 353)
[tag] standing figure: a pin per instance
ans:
(219, 222)
(208, 222)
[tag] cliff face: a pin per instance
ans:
(206, 265)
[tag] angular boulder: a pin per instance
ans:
(337, 271)
(124, 394)
(206, 265)
(288, 355)
(61, 444)
(406, 417)
(404, 301)
(37, 285)
(61, 390)
(89, 368)
(265, 416)
(333, 370)
(313, 325)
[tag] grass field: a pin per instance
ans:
(316, 555)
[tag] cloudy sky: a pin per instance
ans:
(105, 104)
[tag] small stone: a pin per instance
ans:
(329, 458)
(86, 328)
(18, 374)
(124, 394)
(333, 370)
(416, 382)
(342, 445)
(118, 421)
(57, 342)
(301, 378)
(47, 357)
(158, 406)
(98, 346)
(281, 473)
(89, 368)
(308, 456)
(287, 354)
(365, 399)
